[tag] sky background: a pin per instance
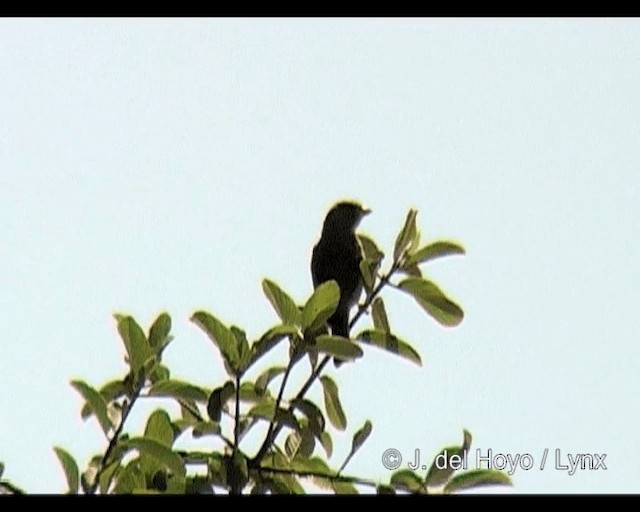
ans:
(171, 165)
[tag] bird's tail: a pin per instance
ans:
(340, 327)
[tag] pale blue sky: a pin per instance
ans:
(150, 165)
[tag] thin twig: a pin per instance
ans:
(11, 488)
(310, 474)
(236, 485)
(116, 435)
(268, 440)
(236, 426)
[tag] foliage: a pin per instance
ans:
(157, 461)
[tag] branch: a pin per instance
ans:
(236, 426)
(194, 411)
(384, 280)
(12, 489)
(236, 486)
(116, 435)
(309, 474)
(271, 434)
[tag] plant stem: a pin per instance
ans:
(116, 435)
(11, 488)
(271, 433)
(236, 428)
(335, 478)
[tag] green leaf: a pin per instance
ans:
(263, 380)
(287, 418)
(268, 341)
(221, 336)
(284, 305)
(433, 301)
(159, 428)
(384, 489)
(344, 488)
(218, 399)
(165, 456)
(96, 402)
(292, 444)
(275, 460)
(407, 480)
(243, 345)
(338, 346)
(323, 482)
(113, 389)
(299, 444)
(370, 263)
(370, 250)
(179, 390)
(477, 478)
(249, 392)
(195, 457)
(135, 342)
(197, 484)
(379, 314)
(308, 443)
(130, 478)
(415, 242)
(406, 236)
(320, 306)
(313, 414)
(311, 465)
(88, 477)
(206, 428)
(110, 391)
(159, 373)
(298, 348)
(447, 461)
(358, 439)
(107, 476)
(114, 411)
(332, 403)
(411, 270)
(361, 436)
(368, 274)
(265, 410)
(390, 343)
(285, 484)
(190, 415)
(435, 250)
(70, 468)
(326, 442)
(159, 332)
(176, 485)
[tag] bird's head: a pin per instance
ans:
(344, 216)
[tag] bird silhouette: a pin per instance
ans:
(337, 255)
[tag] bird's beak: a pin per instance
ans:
(365, 211)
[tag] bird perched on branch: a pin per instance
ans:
(337, 255)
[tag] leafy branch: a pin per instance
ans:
(127, 407)
(161, 466)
